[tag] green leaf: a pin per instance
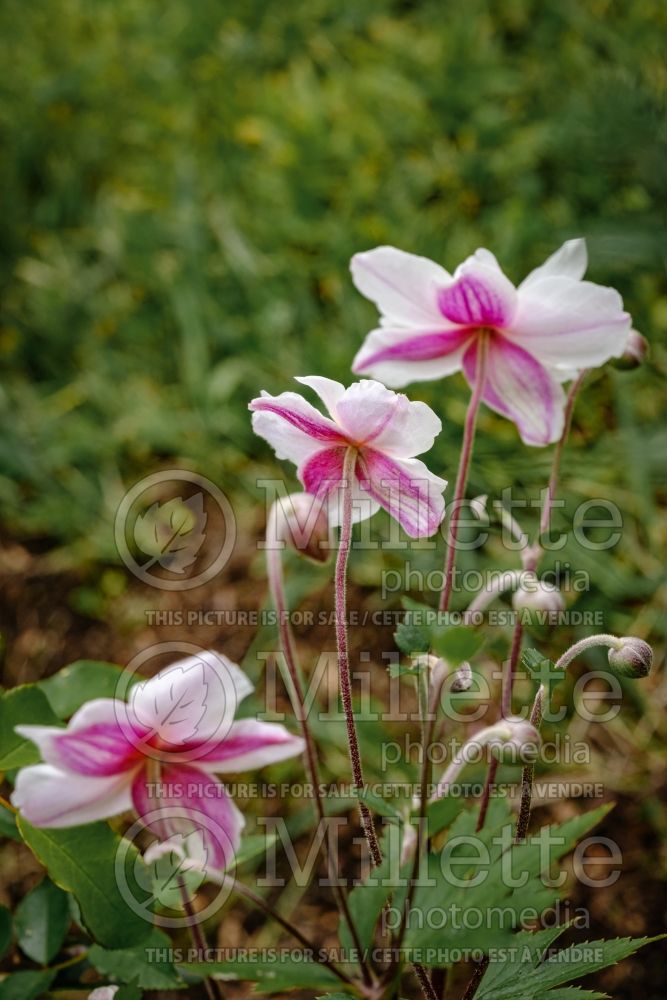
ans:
(366, 901)
(456, 643)
(80, 682)
(269, 977)
(22, 705)
(138, 965)
(8, 826)
(254, 846)
(468, 877)
(80, 859)
(535, 979)
(412, 639)
(5, 930)
(26, 985)
(129, 991)
(42, 919)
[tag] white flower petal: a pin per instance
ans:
(403, 286)
(292, 426)
(570, 324)
(397, 356)
(327, 389)
(49, 797)
(570, 261)
(192, 700)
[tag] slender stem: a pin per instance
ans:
(212, 986)
(476, 979)
(558, 452)
(429, 718)
(294, 685)
(509, 673)
(530, 564)
(506, 709)
(463, 469)
(261, 904)
(425, 983)
(564, 661)
(343, 652)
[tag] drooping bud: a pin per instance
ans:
(302, 523)
(462, 678)
(533, 594)
(635, 353)
(631, 658)
(515, 741)
(441, 669)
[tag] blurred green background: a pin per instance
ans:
(183, 185)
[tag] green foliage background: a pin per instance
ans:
(182, 187)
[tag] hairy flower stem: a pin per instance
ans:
(530, 565)
(536, 719)
(212, 986)
(463, 469)
(294, 684)
(340, 582)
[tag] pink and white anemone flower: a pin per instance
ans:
(383, 431)
(538, 335)
(157, 754)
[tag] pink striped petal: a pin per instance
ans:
(293, 428)
(519, 387)
(403, 286)
(480, 295)
(397, 356)
(185, 800)
(49, 797)
(322, 473)
(570, 324)
(93, 744)
(375, 416)
(251, 744)
(406, 489)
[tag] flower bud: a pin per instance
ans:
(635, 353)
(631, 658)
(302, 523)
(515, 741)
(462, 680)
(440, 670)
(537, 595)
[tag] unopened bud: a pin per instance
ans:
(537, 595)
(441, 669)
(462, 680)
(635, 353)
(302, 523)
(515, 741)
(631, 658)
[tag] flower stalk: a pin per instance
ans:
(340, 585)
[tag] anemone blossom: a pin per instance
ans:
(383, 431)
(537, 335)
(157, 754)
